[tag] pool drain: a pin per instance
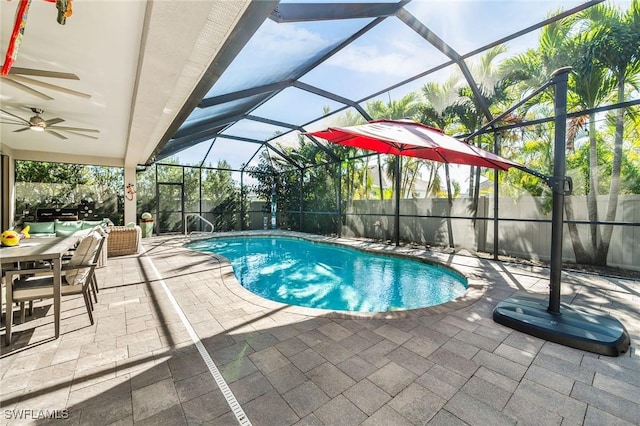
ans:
(242, 418)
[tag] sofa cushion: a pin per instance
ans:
(89, 224)
(64, 229)
(40, 227)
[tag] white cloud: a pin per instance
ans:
(370, 59)
(297, 40)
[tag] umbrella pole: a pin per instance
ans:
(557, 210)
(579, 328)
(496, 199)
(397, 218)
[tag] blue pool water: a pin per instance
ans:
(305, 273)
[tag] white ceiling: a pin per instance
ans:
(139, 60)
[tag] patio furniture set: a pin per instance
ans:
(59, 260)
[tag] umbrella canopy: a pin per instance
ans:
(412, 139)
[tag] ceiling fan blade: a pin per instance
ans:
(56, 134)
(43, 73)
(47, 86)
(74, 129)
(80, 134)
(27, 89)
(21, 130)
(12, 122)
(53, 121)
(22, 120)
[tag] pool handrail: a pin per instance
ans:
(186, 217)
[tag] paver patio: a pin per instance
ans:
(285, 365)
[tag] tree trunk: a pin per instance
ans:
(405, 179)
(476, 196)
(412, 181)
(363, 185)
(351, 176)
(380, 178)
(614, 190)
(394, 178)
(592, 195)
(450, 206)
(582, 256)
(431, 182)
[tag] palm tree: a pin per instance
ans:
(437, 111)
(601, 44)
(616, 46)
(592, 85)
(468, 110)
(529, 70)
(405, 107)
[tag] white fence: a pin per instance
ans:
(519, 238)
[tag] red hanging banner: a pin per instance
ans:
(16, 36)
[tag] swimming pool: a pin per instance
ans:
(318, 275)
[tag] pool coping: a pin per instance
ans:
(475, 287)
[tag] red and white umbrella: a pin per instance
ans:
(412, 139)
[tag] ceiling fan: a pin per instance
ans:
(39, 124)
(16, 78)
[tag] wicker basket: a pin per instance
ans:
(123, 240)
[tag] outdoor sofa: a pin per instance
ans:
(122, 240)
(60, 228)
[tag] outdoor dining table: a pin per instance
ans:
(45, 249)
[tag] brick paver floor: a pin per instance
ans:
(171, 323)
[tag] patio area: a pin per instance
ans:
(177, 341)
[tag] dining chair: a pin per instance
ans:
(35, 284)
(95, 289)
(66, 258)
(94, 280)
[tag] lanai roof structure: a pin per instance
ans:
(308, 61)
(211, 80)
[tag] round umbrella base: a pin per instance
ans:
(579, 328)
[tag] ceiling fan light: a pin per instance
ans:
(37, 123)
